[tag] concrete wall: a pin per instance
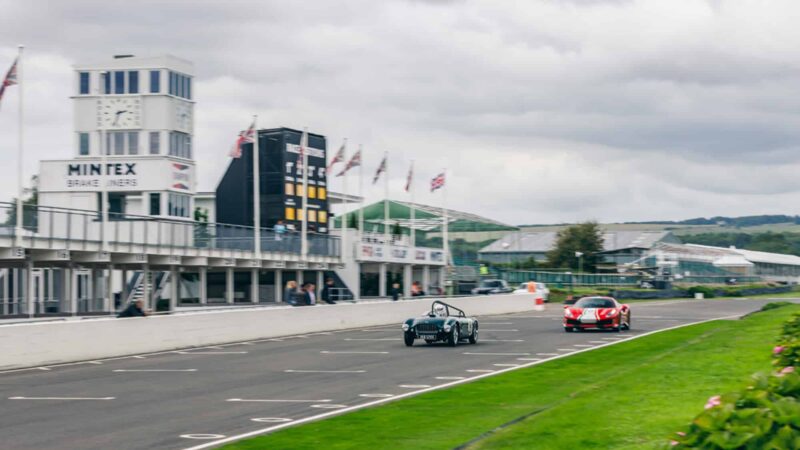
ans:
(45, 343)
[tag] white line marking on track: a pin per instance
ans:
(154, 370)
(547, 354)
(375, 395)
(139, 357)
(202, 436)
(480, 370)
(502, 340)
(61, 398)
(505, 365)
(329, 406)
(450, 378)
(273, 400)
(271, 419)
(97, 363)
(423, 389)
(529, 359)
(565, 349)
(211, 353)
(415, 386)
(44, 368)
(373, 339)
(496, 354)
(327, 352)
(324, 371)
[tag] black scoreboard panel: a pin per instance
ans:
(281, 183)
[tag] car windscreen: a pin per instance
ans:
(595, 302)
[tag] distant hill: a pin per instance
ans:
(737, 222)
(766, 222)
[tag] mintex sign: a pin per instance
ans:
(141, 174)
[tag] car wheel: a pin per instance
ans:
(474, 336)
(452, 340)
(628, 323)
(409, 339)
(568, 329)
(618, 328)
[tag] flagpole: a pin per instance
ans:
(446, 224)
(361, 195)
(304, 223)
(256, 192)
(386, 231)
(344, 200)
(413, 212)
(20, 149)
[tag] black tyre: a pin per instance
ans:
(408, 338)
(628, 323)
(473, 338)
(452, 340)
(568, 329)
(618, 328)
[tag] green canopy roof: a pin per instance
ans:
(426, 218)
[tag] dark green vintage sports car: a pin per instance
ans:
(443, 323)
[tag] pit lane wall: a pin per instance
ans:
(46, 343)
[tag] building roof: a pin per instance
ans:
(426, 218)
(717, 255)
(544, 241)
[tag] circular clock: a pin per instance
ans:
(119, 113)
(183, 116)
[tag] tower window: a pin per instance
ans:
(84, 82)
(155, 143)
(155, 81)
(83, 144)
(155, 204)
(133, 82)
(119, 82)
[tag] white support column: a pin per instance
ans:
(254, 286)
(408, 278)
(67, 299)
(278, 285)
(426, 279)
(29, 289)
(299, 278)
(16, 291)
(320, 282)
(229, 285)
(6, 275)
(148, 303)
(125, 291)
(203, 285)
(442, 278)
(74, 292)
(382, 279)
(109, 291)
(174, 288)
(93, 290)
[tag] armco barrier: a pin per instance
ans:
(39, 344)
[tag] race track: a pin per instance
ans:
(177, 400)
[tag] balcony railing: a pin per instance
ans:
(126, 232)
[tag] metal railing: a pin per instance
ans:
(127, 232)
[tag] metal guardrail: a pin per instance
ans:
(126, 232)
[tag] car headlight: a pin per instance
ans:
(405, 327)
(567, 313)
(612, 313)
(447, 328)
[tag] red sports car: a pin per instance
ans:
(597, 312)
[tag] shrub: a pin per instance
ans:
(787, 352)
(774, 305)
(705, 290)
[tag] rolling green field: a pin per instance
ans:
(628, 396)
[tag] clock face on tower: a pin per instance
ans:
(118, 113)
(183, 116)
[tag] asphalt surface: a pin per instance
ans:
(177, 400)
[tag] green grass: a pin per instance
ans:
(631, 395)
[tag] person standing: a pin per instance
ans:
(396, 292)
(309, 294)
(290, 293)
(327, 292)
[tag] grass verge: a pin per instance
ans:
(631, 395)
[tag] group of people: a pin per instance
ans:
(306, 295)
(397, 292)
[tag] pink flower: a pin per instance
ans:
(785, 370)
(681, 433)
(713, 401)
(673, 443)
(777, 349)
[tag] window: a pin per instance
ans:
(155, 81)
(300, 215)
(289, 213)
(312, 192)
(178, 205)
(172, 83)
(180, 144)
(299, 190)
(83, 143)
(133, 82)
(119, 143)
(289, 188)
(322, 194)
(188, 88)
(84, 82)
(312, 215)
(155, 204)
(119, 82)
(180, 85)
(133, 142)
(322, 217)
(106, 82)
(155, 142)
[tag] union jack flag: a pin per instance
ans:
(337, 158)
(410, 176)
(381, 169)
(437, 182)
(10, 79)
(245, 137)
(355, 161)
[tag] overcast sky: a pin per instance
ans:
(542, 111)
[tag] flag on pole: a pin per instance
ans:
(337, 158)
(10, 79)
(437, 182)
(381, 169)
(355, 161)
(245, 137)
(409, 177)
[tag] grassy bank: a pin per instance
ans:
(631, 395)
